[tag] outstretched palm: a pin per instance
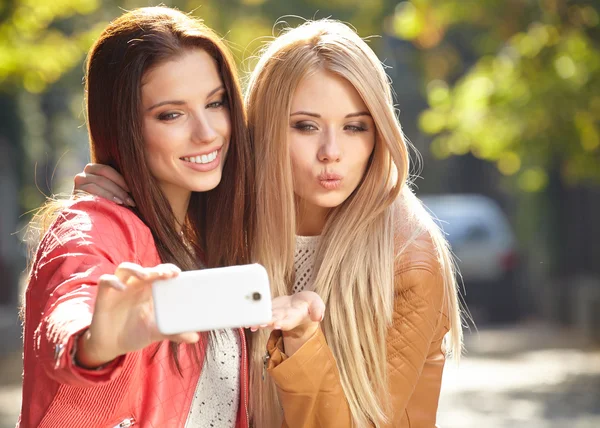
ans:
(297, 310)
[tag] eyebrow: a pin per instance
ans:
(179, 102)
(317, 115)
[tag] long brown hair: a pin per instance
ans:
(219, 222)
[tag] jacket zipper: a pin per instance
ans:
(243, 376)
(126, 423)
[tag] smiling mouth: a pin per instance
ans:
(202, 159)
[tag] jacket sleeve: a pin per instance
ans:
(88, 240)
(415, 327)
(308, 384)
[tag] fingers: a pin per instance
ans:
(286, 321)
(289, 318)
(162, 271)
(258, 327)
(107, 172)
(126, 271)
(184, 338)
(110, 281)
(316, 310)
(316, 307)
(100, 186)
(103, 181)
(297, 311)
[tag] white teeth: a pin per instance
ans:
(202, 158)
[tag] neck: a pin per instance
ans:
(179, 200)
(310, 219)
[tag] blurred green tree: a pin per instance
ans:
(514, 82)
(39, 41)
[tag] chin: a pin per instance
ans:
(329, 201)
(207, 183)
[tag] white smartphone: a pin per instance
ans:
(213, 299)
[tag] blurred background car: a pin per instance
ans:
(486, 251)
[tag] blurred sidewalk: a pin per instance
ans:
(530, 375)
(10, 389)
(10, 367)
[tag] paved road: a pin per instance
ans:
(526, 376)
(530, 376)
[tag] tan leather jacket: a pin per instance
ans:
(308, 383)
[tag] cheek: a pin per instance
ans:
(153, 157)
(155, 134)
(362, 153)
(157, 153)
(222, 124)
(302, 165)
(300, 155)
(150, 134)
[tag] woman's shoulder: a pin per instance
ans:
(90, 220)
(417, 239)
(96, 212)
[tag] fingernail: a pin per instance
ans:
(263, 325)
(277, 327)
(117, 200)
(118, 286)
(130, 202)
(322, 318)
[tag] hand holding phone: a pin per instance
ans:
(212, 299)
(123, 319)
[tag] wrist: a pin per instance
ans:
(294, 339)
(87, 355)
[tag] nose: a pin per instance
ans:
(203, 132)
(329, 150)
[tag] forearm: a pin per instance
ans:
(56, 347)
(88, 356)
(293, 341)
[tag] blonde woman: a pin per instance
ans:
(336, 215)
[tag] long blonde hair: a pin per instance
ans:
(355, 277)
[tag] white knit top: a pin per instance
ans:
(216, 399)
(304, 262)
(217, 395)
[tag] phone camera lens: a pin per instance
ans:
(256, 296)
